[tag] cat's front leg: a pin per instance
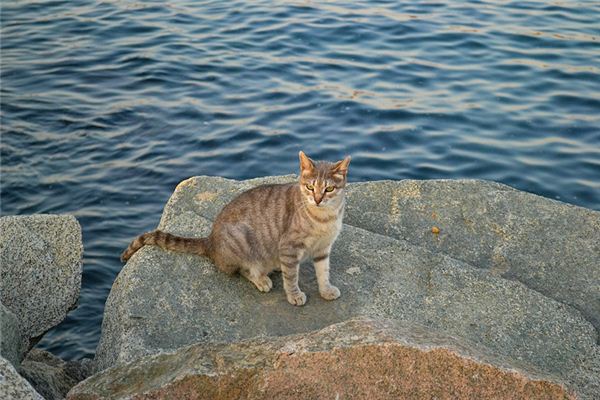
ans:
(290, 267)
(326, 289)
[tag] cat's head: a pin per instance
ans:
(322, 183)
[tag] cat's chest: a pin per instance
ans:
(323, 235)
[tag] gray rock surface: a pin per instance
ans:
(163, 300)
(51, 376)
(13, 386)
(357, 359)
(13, 344)
(40, 269)
(551, 247)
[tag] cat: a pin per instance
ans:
(273, 228)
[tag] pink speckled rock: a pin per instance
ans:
(359, 359)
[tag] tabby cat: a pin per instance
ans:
(273, 227)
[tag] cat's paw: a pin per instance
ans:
(297, 299)
(330, 293)
(264, 283)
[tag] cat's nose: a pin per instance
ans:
(318, 199)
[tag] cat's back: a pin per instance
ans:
(265, 202)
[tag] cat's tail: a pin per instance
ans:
(166, 241)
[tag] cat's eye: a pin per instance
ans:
(329, 188)
(310, 187)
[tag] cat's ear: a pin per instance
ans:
(341, 167)
(306, 164)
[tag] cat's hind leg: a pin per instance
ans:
(258, 277)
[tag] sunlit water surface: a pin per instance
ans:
(107, 105)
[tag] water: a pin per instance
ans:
(107, 105)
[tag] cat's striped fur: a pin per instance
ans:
(273, 227)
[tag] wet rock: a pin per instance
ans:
(552, 247)
(51, 376)
(363, 359)
(13, 386)
(13, 344)
(40, 269)
(163, 300)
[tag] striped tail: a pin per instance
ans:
(166, 241)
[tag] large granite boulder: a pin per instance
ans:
(361, 359)
(13, 386)
(40, 269)
(13, 344)
(549, 246)
(51, 376)
(162, 300)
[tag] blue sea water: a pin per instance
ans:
(107, 105)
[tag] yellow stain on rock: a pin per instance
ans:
(185, 183)
(498, 230)
(394, 208)
(205, 196)
(410, 190)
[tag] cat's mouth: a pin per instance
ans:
(321, 204)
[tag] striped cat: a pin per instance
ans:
(273, 228)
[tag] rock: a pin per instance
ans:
(13, 386)
(552, 247)
(13, 344)
(51, 376)
(162, 300)
(40, 259)
(363, 359)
